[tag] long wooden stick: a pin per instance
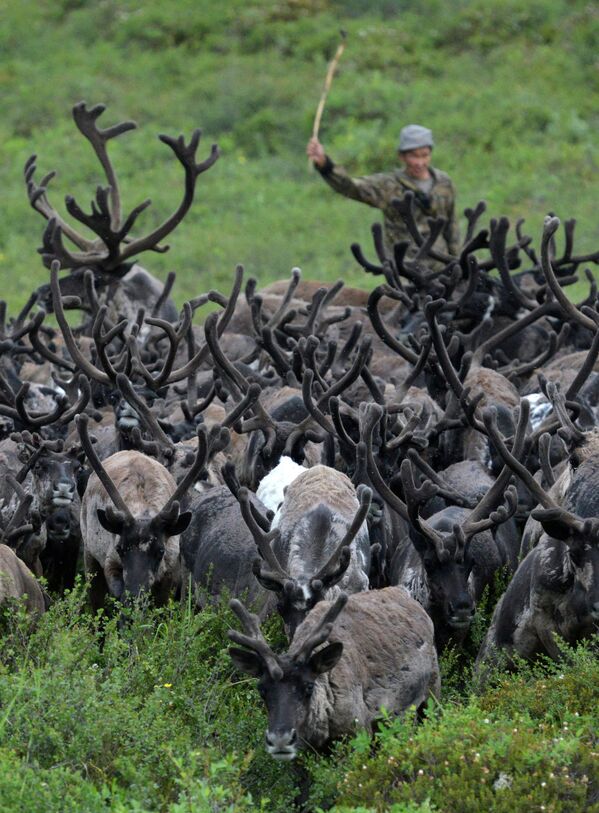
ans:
(327, 84)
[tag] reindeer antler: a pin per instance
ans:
(338, 562)
(302, 652)
(253, 638)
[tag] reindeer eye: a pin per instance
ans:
(308, 689)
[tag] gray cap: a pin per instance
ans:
(414, 136)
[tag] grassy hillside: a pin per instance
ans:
(510, 89)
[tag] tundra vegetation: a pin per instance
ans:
(382, 494)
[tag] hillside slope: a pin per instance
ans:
(511, 91)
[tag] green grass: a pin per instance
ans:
(511, 91)
(152, 717)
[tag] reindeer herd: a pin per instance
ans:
(365, 464)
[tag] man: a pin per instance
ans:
(434, 193)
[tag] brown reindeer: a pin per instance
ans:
(130, 543)
(17, 582)
(379, 653)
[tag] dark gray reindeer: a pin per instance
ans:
(379, 653)
(555, 590)
(448, 559)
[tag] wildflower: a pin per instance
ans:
(503, 782)
(167, 685)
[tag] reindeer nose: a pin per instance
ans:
(280, 741)
(462, 605)
(461, 612)
(285, 737)
(63, 492)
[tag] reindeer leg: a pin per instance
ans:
(98, 588)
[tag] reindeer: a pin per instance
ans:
(111, 253)
(218, 552)
(379, 653)
(555, 590)
(447, 560)
(17, 582)
(130, 545)
(319, 544)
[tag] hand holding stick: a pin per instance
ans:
(314, 143)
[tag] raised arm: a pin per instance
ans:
(363, 189)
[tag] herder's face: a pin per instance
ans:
(417, 162)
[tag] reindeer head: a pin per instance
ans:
(295, 596)
(286, 682)
(56, 472)
(141, 543)
(580, 570)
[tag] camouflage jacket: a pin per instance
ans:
(379, 191)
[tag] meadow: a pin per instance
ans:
(510, 89)
(150, 716)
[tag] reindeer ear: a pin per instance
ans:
(419, 541)
(179, 525)
(553, 523)
(81, 482)
(268, 582)
(324, 660)
(111, 521)
(248, 662)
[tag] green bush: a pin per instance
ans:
(148, 715)
(528, 745)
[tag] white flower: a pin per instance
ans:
(503, 782)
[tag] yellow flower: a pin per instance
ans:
(167, 685)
